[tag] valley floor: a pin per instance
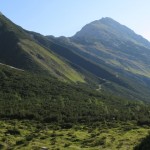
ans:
(30, 135)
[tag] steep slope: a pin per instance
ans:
(19, 50)
(87, 67)
(102, 75)
(116, 49)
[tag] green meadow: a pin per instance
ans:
(32, 135)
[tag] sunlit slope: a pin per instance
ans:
(19, 50)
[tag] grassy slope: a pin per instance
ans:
(19, 50)
(120, 57)
(50, 62)
(64, 50)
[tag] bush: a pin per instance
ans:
(1, 146)
(13, 132)
(144, 145)
(20, 142)
(66, 125)
(67, 144)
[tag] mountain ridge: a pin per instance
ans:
(24, 53)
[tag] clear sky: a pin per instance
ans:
(66, 17)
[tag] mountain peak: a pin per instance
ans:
(107, 29)
(106, 19)
(1, 13)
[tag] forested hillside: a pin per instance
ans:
(29, 96)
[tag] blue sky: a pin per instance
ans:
(66, 17)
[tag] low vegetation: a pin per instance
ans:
(31, 135)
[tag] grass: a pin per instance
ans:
(29, 135)
(50, 62)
